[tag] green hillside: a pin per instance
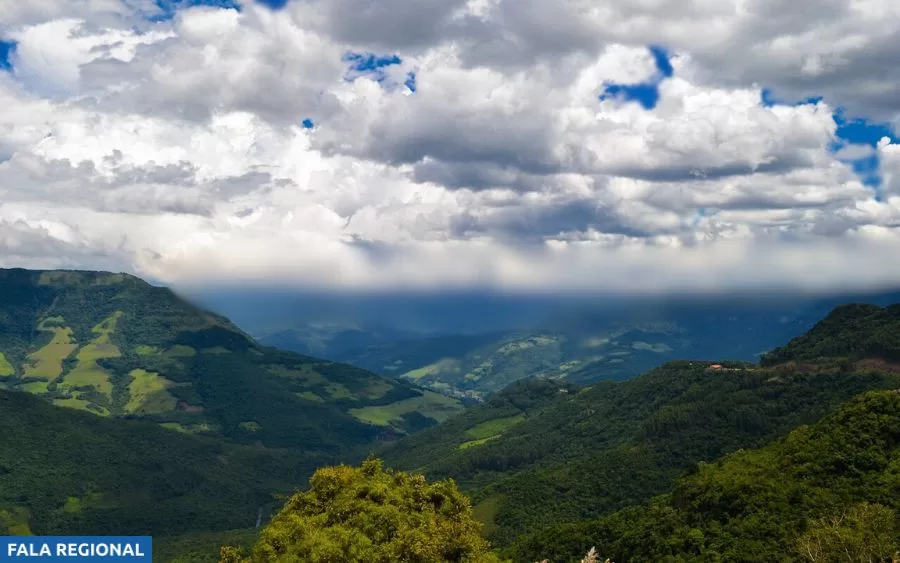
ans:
(582, 345)
(826, 492)
(144, 414)
(472, 367)
(850, 332)
(539, 454)
(113, 345)
(66, 472)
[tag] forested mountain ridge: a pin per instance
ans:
(825, 492)
(540, 454)
(114, 345)
(850, 332)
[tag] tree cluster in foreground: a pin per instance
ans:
(826, 492)
(371, 514)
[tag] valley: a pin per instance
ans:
(584, 343)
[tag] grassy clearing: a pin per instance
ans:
(59, 277)
(493, 428)
(250, 426)
(72, 506)
(181, 351)
(15, 521)
(430, 404)
(108, 325)
(35, 387)
(47, 363)
(110, 279)
(80, 404)
(526, 343)
(471, 443)
(6, 368)
(144, 350)
(149, 393)
(72, 403)
(337, 392)
(444, 365)
(376, 389)
(87, 373)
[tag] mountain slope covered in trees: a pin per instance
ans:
(125, 409)
(114, 345)
(65, 472)
(826, 492)
(540, 454)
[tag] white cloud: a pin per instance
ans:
(176, 150)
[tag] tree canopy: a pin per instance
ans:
(371, 514)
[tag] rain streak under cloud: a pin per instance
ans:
(558, 144)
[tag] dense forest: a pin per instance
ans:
(66, 472)
(826, 492)
(539, 454)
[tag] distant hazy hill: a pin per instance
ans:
(542, 453)
(114, 345)
(579, 345)
(331, 341)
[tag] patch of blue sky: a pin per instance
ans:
(768, 99)
(861, 131)
(273, 4)
(662, 60)
(850, 132)
(369, 64)
(699, 215)
(7, 48)
(410, 81)
(376, 67)
(168, 8)
(644, 93)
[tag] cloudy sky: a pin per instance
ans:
(633, 145)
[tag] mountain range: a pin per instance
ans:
(125, 409)
(582, 342)
(541, 454)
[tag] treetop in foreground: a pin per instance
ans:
(371, 514)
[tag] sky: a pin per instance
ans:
(634, 146)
